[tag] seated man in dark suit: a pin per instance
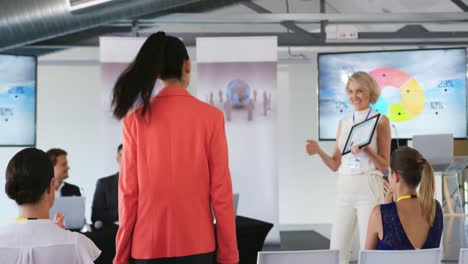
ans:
(105, 206)
(60, 162)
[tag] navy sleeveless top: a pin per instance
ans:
(394, 236)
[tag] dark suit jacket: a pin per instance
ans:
(105, 204)
(70, 190)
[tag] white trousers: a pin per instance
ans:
(356, 196)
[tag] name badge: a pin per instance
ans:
(354, 162)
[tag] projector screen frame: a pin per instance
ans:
(320, 138)
(35, 99)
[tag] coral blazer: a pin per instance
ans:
(174, 170)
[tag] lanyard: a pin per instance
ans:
(367, 116)
(24, 218)
(406, 197)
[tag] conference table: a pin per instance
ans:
(251, 234)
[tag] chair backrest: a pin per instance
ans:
(298, 257)
(426, 256)
(463, 256)
(451, 193)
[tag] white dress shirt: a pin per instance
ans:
(58, 192)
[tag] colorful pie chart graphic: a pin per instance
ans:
(411, 103)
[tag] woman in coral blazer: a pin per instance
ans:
(174, 165)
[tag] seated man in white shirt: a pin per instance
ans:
(32, 237)
(60, 162)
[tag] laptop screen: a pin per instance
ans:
(436, 148)
(73, 210)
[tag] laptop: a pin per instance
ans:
(435, 148)
(73, 210)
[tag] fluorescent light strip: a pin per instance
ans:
(89, 3)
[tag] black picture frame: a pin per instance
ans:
(375, 120)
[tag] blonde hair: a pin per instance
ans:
(369, 85)
(415, 170)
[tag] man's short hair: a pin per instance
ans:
(54, 153)
(119, 148)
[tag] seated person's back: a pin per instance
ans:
(413, 221)
(403, 231)
(32, 237)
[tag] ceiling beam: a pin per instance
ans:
(461, 5)
(276, 18)
(414, 35)
(323, 23)
(287, 24)
(295, 39)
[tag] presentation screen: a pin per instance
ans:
(421, 91)
(18, 100)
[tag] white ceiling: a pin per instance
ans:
(332, 6)
(350, 6)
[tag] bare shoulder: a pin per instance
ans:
(375, 215)
(376, 211)
(384, 121)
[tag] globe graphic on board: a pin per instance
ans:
(401, 97)
(238, 92)
(16, 92)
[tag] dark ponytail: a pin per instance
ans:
(415, 170)
(160, 56)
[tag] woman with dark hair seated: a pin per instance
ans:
(409, 220)
(32, 237)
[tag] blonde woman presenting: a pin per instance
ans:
(359, 184)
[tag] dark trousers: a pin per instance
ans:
(192, 259)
